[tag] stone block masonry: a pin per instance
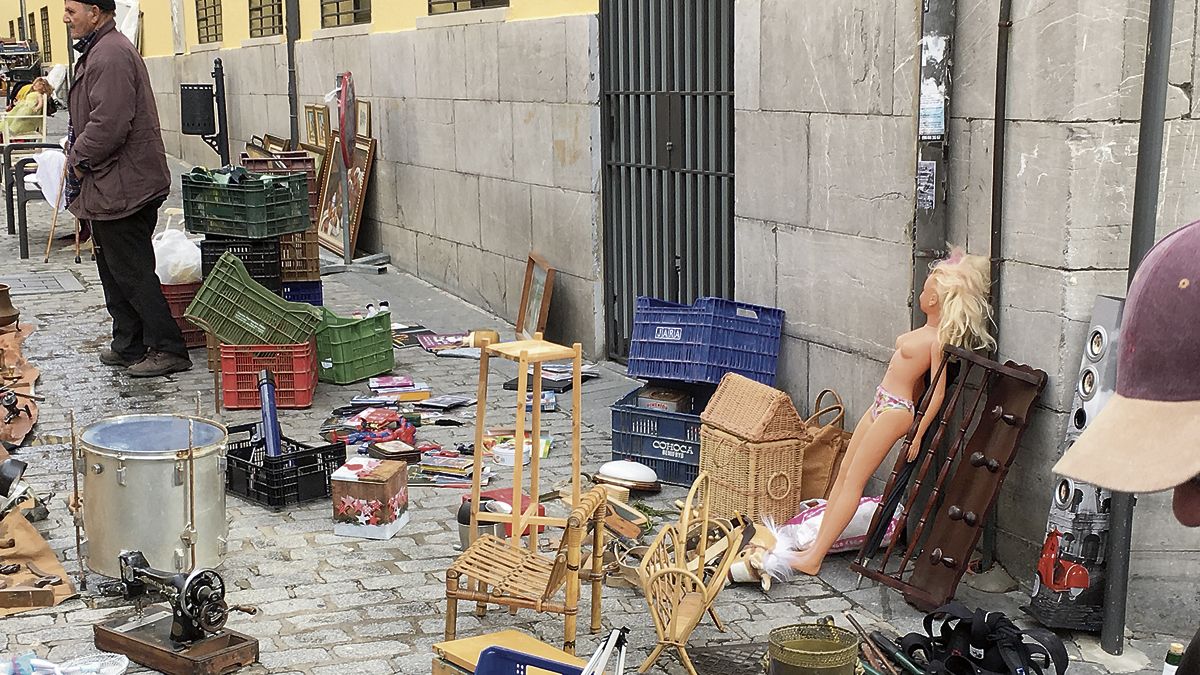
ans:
(826, 150)
(488, 148)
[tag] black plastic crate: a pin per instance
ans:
(302, 473)
(261, 258)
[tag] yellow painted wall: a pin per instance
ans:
(158, 35)
(541, 9)
(402, 16)
(11, 9)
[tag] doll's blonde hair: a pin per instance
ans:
(962, 285)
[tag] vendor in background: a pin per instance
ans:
(117, 180)
(28, 113)
(1147, 437)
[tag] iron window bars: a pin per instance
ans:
(446, 6)
(266, 18)
(335, 13)
(208, 21)
(47, 50)
(33, 36)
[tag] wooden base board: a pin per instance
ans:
(150, 645)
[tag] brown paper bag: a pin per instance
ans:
(823, 455)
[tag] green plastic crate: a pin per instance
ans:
(241, 311)
(351, 350)
(265, 206)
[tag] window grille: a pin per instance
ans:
(47, 50)
(33, 39)
(335, 13)
(208, 21)
(266, 18)
(446, 6)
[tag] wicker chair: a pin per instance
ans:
(681, 577)
(502, 573)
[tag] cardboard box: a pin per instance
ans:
(370, 498)
(666, 400)
(461, 656)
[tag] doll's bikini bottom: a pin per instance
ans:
(886, 401)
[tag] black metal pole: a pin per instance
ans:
(1145, 219)
(218, 74)
(996, 250)
(291, 23)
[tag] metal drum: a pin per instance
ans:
(136, 495)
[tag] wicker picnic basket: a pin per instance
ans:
(752, 444)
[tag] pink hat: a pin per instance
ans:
(1147, 437)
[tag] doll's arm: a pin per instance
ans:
(935, 400)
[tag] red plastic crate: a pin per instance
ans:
(294, 368)
(179, 296)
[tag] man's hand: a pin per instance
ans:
(77, 172)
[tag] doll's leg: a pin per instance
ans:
(877, 439)
(860, 431)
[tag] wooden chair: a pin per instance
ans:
(681, 577)
(500, 572)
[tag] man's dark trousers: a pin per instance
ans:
(125, 256)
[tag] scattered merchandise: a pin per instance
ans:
(631, 472)
(977, 641)
(370, 498)
(404, 337)
(813, 647)
(752, 443)
(987, 439)
(676, 597)
(666, 400)
(133, 460)
(446, 402)
(549, 402)
(433, 342)
(455, 657)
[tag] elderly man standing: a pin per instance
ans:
(117, 182)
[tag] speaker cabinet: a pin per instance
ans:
(1068, 586)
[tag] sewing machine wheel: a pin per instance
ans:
(202, 589)
(213, 615)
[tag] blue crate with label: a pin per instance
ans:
(668, 442)
(703, 341)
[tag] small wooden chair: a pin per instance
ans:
(501, 572)
(681, 583)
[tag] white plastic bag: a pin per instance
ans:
(802, 529)
(51, 165)
(177, 258)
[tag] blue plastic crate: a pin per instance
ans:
(503, 661)
(702, 342)
(668, 442)
(304, 291)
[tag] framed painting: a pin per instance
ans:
(535, 297)
(318, 153)
(363, 110)
(310, 122)
(330, 219)
(321, 116)
(256, 150)
(275, 144)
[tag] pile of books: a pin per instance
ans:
(447, 468)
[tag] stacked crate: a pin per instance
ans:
(690, 348)
(257, 330)
(300, 252)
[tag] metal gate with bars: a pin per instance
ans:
(667, 109)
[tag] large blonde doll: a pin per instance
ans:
(955, 303)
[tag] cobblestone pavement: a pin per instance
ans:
(331, 604)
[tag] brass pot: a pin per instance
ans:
(8, 313)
